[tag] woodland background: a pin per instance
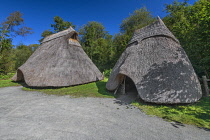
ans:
(189, 23)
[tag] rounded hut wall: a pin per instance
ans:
(170, 77)
(161, 71)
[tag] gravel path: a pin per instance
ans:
(33, 115)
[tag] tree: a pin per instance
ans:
(103, 53)
(45, 33)
(138, 19)
(190, 24)
(91, 32)
(6, 60)
(58, 26)
(61, 25)
(22, 53)
(120, 41)
(33, 47)
(96, 43)
(9, 28)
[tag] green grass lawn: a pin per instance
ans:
(8, 83)
(194, 114)
(95, 89)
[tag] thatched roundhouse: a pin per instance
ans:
(59, 61)
(158, 67)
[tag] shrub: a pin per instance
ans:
(7, 76)
(107, 73)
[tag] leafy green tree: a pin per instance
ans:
(138, 19)
(120, 41)
(91, 32)
(103, 53)
(58, 26)
(190, 24)
(10, 28)
(61, 25)
(33, 47)
(105, 50)
(96, 43)
(22, 53)
(45, 33)
(6, 57)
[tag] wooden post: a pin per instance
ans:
(206, 88)
(120, 86)
(124, 86)
(116, 90)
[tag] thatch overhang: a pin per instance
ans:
(156, 29)
(158, 66)
(59, 61)
(70, 32)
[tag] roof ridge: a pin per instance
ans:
(59, 34)
(157, 28)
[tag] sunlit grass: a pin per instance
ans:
(95, 89)
(5, 80)
(8, 83)
(194, 114)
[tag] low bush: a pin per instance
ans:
(5, 77)
(107, 73)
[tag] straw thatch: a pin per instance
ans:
(158, 66)
(59, 61)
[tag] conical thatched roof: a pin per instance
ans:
(59, 61)
(158, 66)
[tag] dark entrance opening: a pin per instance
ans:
(20, 76)
(74, 36)
(127, 91)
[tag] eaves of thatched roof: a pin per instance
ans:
(158, 28)
(68, 31)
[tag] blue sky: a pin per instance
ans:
(38, 14)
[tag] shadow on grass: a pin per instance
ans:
(92, 89)
(48, 87)
(200, 112)
(21, 83)
(204, 104)
(206, 129)
(101, 85)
